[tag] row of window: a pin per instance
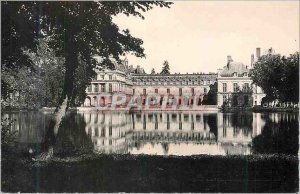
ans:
(235, 100)
(174, 83)
(110, 77)
(102, 131)
(236, 87)
(168, 91)
(96, 88)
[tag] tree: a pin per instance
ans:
(290, 85)
(278, 76)
(50, 72)
(165, 69)
(79, 31)
(153, 71)
(211, 97)
(19, 33)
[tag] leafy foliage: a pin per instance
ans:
(8, 137)
(165, 69)
(278, 76)
(211, 97)
(19, 32)
(78, 30)
(153, 71)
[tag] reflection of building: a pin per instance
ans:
(108, 131)
(172, 133)
(120, 132)
(235, 86)
(235, 132)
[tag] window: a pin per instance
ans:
(235, 87)
(193, 91)
(102, 87)
(168, 91)
(202, 82)
(144, 91)
(96, 89)
(102, 77)
(156, 91)
(102, 132)
(180, 91)
(110, 77)
(96, 132)
(246, 87)
(110, 87)
(133, 91)
(208, 82)
(224, 87)
(205, 90)
(224, 98)
(90, 88)
(110, 130)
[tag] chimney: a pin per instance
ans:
(229, 59)
(252, 60)
(257, 53)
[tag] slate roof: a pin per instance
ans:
(233, 67)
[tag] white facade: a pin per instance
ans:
(236, 88)
(109, 81)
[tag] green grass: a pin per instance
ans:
(128, 173)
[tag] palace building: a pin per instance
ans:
(134, 81)
(234, 85)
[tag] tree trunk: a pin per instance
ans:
(66, 98)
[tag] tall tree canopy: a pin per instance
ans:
(78, 30)
(166, 68)
(278, 76)
(153, 71)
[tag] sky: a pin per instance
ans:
(197, 36)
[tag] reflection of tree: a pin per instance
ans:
(71, 137)
(212, 123)
(279, 137)
(165, 147)
(241, 121)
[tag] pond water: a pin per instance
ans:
(160, 133)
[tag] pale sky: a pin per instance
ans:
(197, 36)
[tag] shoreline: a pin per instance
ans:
(205, 108)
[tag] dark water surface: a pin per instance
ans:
(155, 151)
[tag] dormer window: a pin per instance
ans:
(245, 74)
(234, 74)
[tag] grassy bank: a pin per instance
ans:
(127, 173)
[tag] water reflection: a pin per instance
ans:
(163, 133)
